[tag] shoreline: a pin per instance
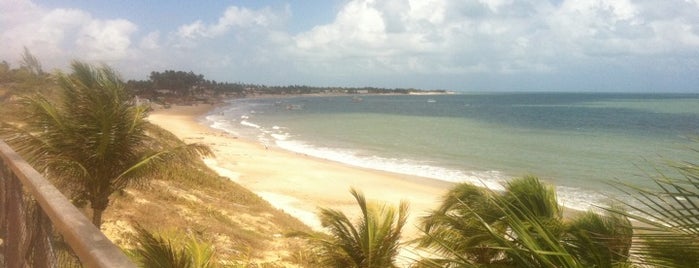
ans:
(299, 184)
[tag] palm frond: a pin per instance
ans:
(530, 194)
(600, 240)
(520, 227)
(371, 241)
(454, 230)
(203, 254)
(157, 252)
(531, 240)
(668, 216)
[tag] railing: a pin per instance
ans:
(39, 227)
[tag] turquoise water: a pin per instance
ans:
(579, 142)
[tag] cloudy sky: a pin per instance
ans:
(473, 45)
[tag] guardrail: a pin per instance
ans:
(39, 227)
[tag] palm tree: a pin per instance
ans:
(520, 227)
(371, 242)
(668, 216)
(163, 251)
(455, 233)
(599, 240)
(93, 140)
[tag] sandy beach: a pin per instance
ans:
(295, 183)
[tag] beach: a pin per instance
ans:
(296, 183)
(396, 148)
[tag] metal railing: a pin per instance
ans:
(39, 227)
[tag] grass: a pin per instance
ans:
(245, 229)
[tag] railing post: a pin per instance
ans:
(12, 226)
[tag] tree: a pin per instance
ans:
(30, 63)
(453, 232)
(5, 75)
(93, 140)
(165, 251)
(599, 240)
(182, 83)
(371, 242)
(520, 227)
(668, 233)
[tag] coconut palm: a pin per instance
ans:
(668, 216)
(92, 140)
(371, 242)
(520, 227)
(599, 240)
(454, 232)
(472, 221)
(165, 251)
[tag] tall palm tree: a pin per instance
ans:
(520, 227)
(93, 140)
(371, 242)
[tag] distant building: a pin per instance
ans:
(165, 91)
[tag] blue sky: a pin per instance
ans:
(471, 45)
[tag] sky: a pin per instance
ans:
(462, 45)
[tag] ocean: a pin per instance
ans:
(579, 142)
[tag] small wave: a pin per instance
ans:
(570, 197)
(280, 137)
(213, 164)
(248, 124)
(579, 199)
(223, 125)
(489, 179)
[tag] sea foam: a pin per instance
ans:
(570, 197)
(490, 179)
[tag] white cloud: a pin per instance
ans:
(432, 36)
(605, 28)
(151, 41)
(358, 25)
(495, 5)
(431, 11)
(233, 17)
(56, 36)
(17, 11)
(242, 17)
(105, 40)
(376, 39)
(493, 35)
(191, 31)
(44, 32)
